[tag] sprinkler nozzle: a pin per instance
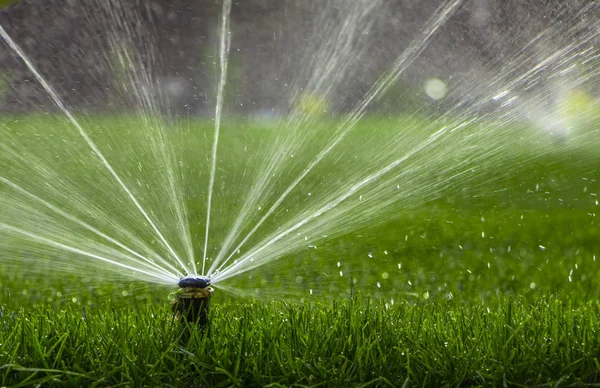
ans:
(194, 282)
(193, 299)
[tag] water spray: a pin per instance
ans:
(193, 299)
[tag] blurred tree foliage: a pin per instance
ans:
(312, 104)
(6, 3)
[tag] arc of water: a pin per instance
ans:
(330, 67)
(570, 51)
(500, 80)
(331, 205)
(223, 59)
(167, 278)
(415, 49)
(87, 226)
(57, 100)
(140, 83)
(50, 175)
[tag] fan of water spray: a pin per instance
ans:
(128, 255)
(316, 177)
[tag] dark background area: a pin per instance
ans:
(72, 43)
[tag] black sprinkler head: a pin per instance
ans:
(194, 281)
(192, 300)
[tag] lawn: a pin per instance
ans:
(473, 262)
(346, 343)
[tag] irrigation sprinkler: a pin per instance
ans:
(193, 300)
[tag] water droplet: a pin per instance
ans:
(370, 255)
(532, 285)
(339, 264)
(378, 285)
(385, 275)
(435, 88)
(310, 291)
(341, 273)
(482, 234)
(399, 265)
(500, 95)
(543, 248)
(385, 252)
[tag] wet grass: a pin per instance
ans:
(489, 282)
(348, 343)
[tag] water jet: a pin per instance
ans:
(124, 196)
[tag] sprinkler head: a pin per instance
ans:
(194, 281)
(193, 299)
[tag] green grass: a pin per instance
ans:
(347, 343)
(486, 280)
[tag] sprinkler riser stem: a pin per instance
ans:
(192, 304)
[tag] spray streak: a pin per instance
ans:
(57, 100)
(402, 63)
(167, 278)
(141, 85)
(74, 197)
(456, 114)
(240, 266)
(330, 67)
(86, 226)
(223, 57)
